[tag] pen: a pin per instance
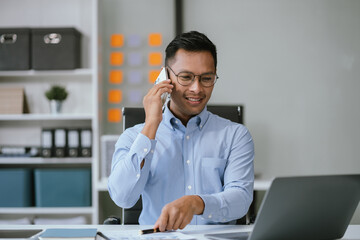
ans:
(102, 235)
(147, 231)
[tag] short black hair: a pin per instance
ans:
(192, 41)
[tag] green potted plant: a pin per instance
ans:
(56, 95)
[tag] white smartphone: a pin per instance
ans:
(162, 77)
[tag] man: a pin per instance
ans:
(189, 165)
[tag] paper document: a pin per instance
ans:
(135, 235)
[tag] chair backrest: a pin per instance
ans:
(132, 116)
(136, 115)
(234, 113)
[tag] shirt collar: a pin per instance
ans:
(171, 121)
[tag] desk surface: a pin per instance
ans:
(197, 231)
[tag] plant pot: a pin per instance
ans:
(55, 106)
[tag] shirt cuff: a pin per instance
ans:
(143, 147)
(213, 210)
(210, 204)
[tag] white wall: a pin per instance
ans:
(135, 17)
(295, 65)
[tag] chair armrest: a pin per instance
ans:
(112, 220)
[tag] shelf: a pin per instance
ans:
(36, 117)
(102, 185)
(39, 160)
(49, 73)
(80, 111)
(46, 210)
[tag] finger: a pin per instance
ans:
(163, 90)
(156, 225)
(178, 222)
(183, 225)
(174, 215)
(163, 85)
(165, 81)
(170, 223)
(185, 222)
(157, 86)
(161, 223)
(154, 90)
(156, 93)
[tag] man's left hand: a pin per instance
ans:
(179, 213)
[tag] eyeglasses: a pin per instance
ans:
(187, 78)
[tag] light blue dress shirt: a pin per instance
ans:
(211, 157)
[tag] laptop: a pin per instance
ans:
(28, 234)
(308, 207)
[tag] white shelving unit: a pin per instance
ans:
(102, 185)
(44, 117)
(58, 73)
(45, 210)
(79, 110)
(45, 161)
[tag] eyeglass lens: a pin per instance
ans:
(205, 79)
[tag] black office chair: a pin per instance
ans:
(234, 113)
(133, 116)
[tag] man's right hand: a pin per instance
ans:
(179, 213)
(153, 107)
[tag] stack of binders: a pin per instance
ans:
(62, 142)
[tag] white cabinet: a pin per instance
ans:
(79, 110)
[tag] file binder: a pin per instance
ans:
(86, 142)
(60, 142)
(19, 151)
(73, 143)
(47, 143)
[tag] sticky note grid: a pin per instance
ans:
(135, 61)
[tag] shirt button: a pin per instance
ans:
(152, 151)
(137, 175)
(200, 126)
(145, 149)
(187, 137)
(189, 187)
(176, 122)
(210, 216)
(188, 162)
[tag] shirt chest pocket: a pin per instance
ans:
(212, 174)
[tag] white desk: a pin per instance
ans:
(262, 184)
(352, 233)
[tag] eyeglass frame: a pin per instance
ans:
(192, 80)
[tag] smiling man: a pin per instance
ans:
(189, 165)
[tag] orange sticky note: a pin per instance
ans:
(155, 39)
(155, 58)
(116, 58)
(153, 74)
(114, 115)
(116, 76)
(115, 96)
(117, 40)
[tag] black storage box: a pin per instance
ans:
(15, 49)
(55, 48)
